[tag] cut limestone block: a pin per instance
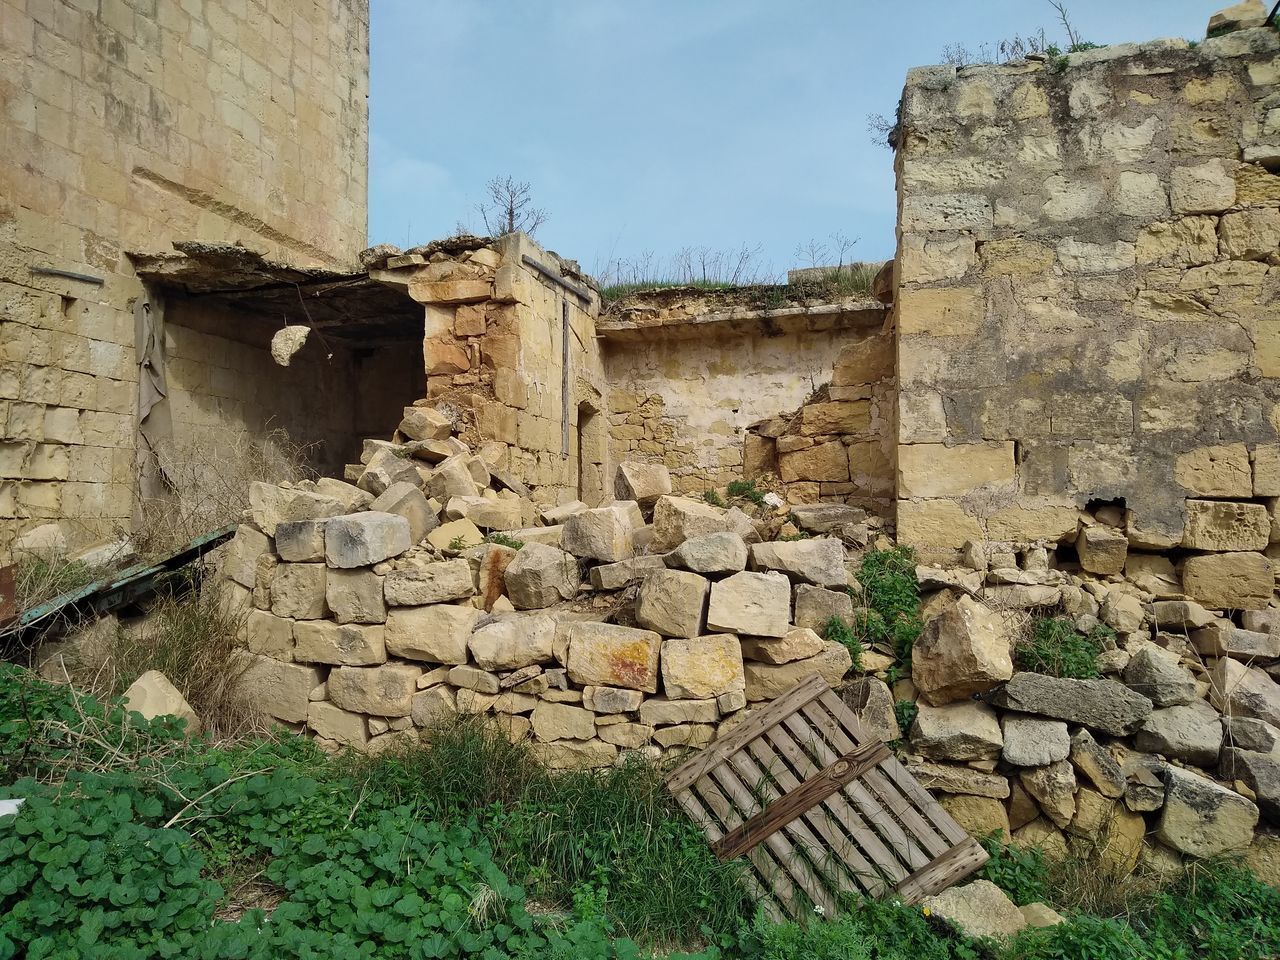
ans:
(702, 667)
(322, 641)
(1202, 819)
(429, 583)
(799, 643)
(363, 539)
(713, 553)
(301, 541)
(385, 691)
(957, 731)
(280, 690)
(387, 467)
(152, 695)
(1103, 705)
(407, 500)
(540, 576)
(641, 482)
(766, 681)
(298, 591)
(819, 560)
(602, 534)
(962, 651)
(757, 604)
(604, 654)
(1102, 549)
(334, 723)
(1229, 581)
(355, 596)
(514, 642)
(435, 634)
(671, 602)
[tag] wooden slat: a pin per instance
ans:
(767, 869)
(754, 726)
(793, 804)
(835, 824)
(794, 863)
(902, 845)
(919, 797)
(954, 865)
(885, 791)
(848, 816)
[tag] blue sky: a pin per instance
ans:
(652, 125)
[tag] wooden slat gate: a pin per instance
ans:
(820, 808)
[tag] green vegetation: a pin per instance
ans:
(1022, 874)
(458, 544)
(904, 711)
(136, 842)
(746, 490)
(713, 497)
(1057, 648)
(836, 629)
(892, 597)
(502, 540)
(39, 579)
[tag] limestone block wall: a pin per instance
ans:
(707, 391)
(495, 346)
(127, 125)
(1086, 292)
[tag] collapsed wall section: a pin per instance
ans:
(1086, 295)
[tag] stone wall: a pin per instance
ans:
(128, 125)
(1086, 297)
(706, 387)
(495, 346)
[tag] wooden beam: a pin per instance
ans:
(954, 865)
(797, 802)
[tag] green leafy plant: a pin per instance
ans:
(713, 497)
(892, 596)
(838, 630)
(503, 540)
(904, 711)
(1020, 873)
(746, 490)
(458, 544)
(1055, 647)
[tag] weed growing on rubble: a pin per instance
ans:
(904, 711)
(1057, 648)
(1022, 874)
(892, 594)
(839, 631)
(746, 489)
(713, 497)
(502, 540)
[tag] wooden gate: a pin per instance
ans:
(820, 809)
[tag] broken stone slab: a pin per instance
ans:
(1191, 733)
(825, 517)
(154, 695)
(436, 451)
(1157, 675)
(702, 667)
(1122, 612)
(300, 541)
(818, 560)
(659, 711)
(1054, 789)
(363, 539)
(767, 681)
(1033, 741)
(1239, 16)
(387, 467)
(602, 534)
(977, 909)
(615, 576)
(871, 702)
(1249, 733)
(950, 778)
(605, 654)
(271, 505)
(473, 678)
(541, 576)
(1154, 575)
(1201, 818)
(628, 735)
(1241, 691)
(555, 516)
(958, 731)
(756, 604)
(385, 691)
(456, 534)
(711, 554)
(514, 642)
(1180, 615)
(677, 519)
(641, 482)
(320, 641)
(434, 634)
(799, 643)
(240, 561)
(407, 500)
(1229, 581)
(1103, 705)
(451, 477)
(817, 605)
(1260, 772)
(611, 699)
(1222, 638)
(962, 651)
(671, 603)
(575, 754)
(1102, 549)
(428, 583)
(1096, 763)
(562, 721)
(425, 423)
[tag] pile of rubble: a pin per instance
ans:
(434, 584)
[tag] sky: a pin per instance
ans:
(648, 126)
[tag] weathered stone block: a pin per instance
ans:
(817, 560)
(962, 651)
(1229, 581)
(435, 634)
(702, 667)
(298, 591)
(385, 691)
(429, 583)
(1224, 526)
(1208, 187)
(814, 606)
(280, 690)
(1202, 819)
(320, 641)
(514, 642)
(269, 635)
(355, 596)
(611, 700)
(768, 681)
(671, 602)
(407, 500)
(827, 462)
(540, 576)
(757, 604)
(642, 482)
(799, 643)
(562, 721)
(363, 539)
(1099, 704)
(603, 654)
(958, 731)
(1102, 549)
(333, 723)
(301, 541)
(602, 534)
(241, 558)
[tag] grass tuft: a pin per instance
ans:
(1055, 647)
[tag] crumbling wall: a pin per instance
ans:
(495, 346)
(1086, 296)
(126, 127)
(708, 389)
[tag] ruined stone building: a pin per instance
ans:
(1083, 305)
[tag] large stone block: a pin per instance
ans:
(514, 642)
(386, 468)
(938, 470)
(1208, 187)
(938, 524)
(677, 519)
(800, 643)
(1222, 638)
(300, 541)
(671, 602)
(604, 654)
(334, 723)
(1216, 471)
(435, 634)
(355, 596)
(1103, 705)
(835, 417)
(321, 641)
(562, 721)
(154, 695)
(298, 591)
(940, 312)
(658, 711)
(615, 576)
(1221, 525)
(1242, 691)
(280, 690)
(1202, 819)
(385, 691)
(269, 635)
(713, 553)
(817, 560)
(767, 681)
(1191, 733)
(757, 604)
(541, 576)
(240, 561)
(641, 482)
(425, 423)
(1229, 581)
(363, 539)
(958, 731)
(823, 462)
(602, 534)
(816, 605)
(407, 500)
(1102, 549)
(429, 583)
(702, 667)
(964, 650)
(270, 505)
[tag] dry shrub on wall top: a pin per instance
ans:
(208, 473)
